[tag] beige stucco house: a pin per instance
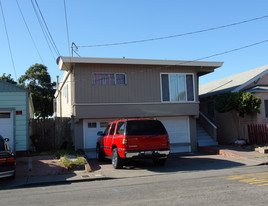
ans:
(229, 126)
(94, 91)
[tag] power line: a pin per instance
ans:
(233, 50)
(29, 32)
(43, 29)
(195, 60)
(67, 29)
(177, 35)
(44, 21)
(10, 51)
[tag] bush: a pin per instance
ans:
(72, 164)
(242, 102)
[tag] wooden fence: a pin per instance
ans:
(48, 134)
(258, 134)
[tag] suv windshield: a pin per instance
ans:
(145, 127)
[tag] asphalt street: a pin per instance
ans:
(231, 186)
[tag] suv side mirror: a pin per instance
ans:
(100, 133)
(6, 139)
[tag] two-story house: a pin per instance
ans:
(95, 91)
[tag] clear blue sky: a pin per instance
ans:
(99, 22)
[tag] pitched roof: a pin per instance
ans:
(232, 83)
(259, 88)
(8, 87)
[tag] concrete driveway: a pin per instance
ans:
(175, 163)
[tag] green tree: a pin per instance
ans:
(239, 104)
(242, 102)
(38, 81)
(7, 78)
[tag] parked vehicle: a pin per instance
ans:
(7, 159)
(133, 139)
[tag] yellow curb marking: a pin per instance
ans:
(260, 179)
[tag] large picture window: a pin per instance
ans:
(109, 79)
(177, 87)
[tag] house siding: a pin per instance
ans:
(136, 110)
(17, 101)
(66, 98)
(143, 83)
(261, 119)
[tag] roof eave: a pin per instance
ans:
(64, 63)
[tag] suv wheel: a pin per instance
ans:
(116, 160)
(99, 154)
(159, 161)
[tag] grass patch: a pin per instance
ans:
(73, 164)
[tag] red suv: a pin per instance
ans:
(133, 139)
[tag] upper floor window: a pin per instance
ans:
(65, 93)
(177, 87)
(109, 79)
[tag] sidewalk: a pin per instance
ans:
(38, 170)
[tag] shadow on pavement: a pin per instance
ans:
(174, 163)
(37, 171)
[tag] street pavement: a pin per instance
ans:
(245, 186)
(32, 171)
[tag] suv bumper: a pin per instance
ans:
(146, 153)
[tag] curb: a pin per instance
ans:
(47, 183)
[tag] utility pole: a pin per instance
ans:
(74, 49)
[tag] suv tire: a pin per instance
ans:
(99, 154)
(116, 160)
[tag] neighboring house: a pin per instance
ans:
(230, 127)
(16, 109)
(95, 91)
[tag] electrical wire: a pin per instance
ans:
(176, 35)
(191, 61)
(9, 46)
(43, 29)
(67, 29)
(47, 29)
(29, 31)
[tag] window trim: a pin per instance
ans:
(170, 101)
(114, 74)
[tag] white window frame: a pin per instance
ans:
(170, 101)
(66, 93)
(114, 74)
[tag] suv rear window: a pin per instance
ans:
(145, 127)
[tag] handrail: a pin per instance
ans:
(204, 116)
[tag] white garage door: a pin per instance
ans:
(91, 128)
(6, 127)
(178, 131)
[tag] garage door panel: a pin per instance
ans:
(6, 127)
(91, 128)
(178, 131)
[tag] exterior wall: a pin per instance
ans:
(18, 101)
(79, 135)
(193, 135)
(143, 83)
(230, 127)
(136, 110)
(261, 119)
(66, 98)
